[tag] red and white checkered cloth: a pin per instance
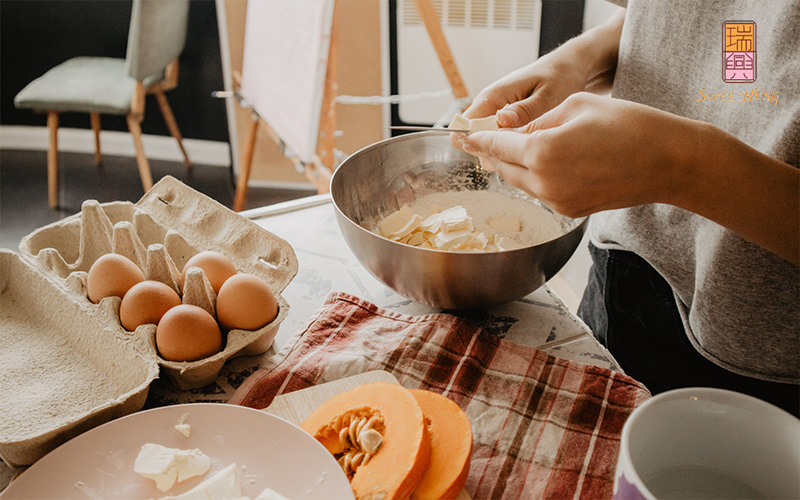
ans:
(543, 427)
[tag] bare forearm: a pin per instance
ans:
(586, 62)
(742, 189)
(598, 49)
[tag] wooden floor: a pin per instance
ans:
(23, 187)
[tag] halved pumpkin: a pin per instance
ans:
(451, 447)
(378, 433)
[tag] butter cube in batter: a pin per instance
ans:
(400, 223)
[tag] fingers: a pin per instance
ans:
(522, 112)
(511, 115)
(457, 139)
(514, 102)
(487, 163)
(519, 177)
(518, 146)
(506, 145)
(561, 114)
(485, 104)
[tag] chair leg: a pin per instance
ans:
(95, 118)
(169, 118)
(52, 160)
(246, 163)
(141, 159)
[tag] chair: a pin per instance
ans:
(97, 85)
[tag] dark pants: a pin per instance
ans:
(631, 310)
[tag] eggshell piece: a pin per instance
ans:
(187, 333)
(111, 275)
(145, 303)
(246, 302)
(215, 265)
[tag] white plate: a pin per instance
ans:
(270, 452)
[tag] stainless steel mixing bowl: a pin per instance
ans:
(380, 178)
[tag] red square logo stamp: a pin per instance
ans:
(739, 51)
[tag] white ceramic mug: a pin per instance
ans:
(708, 443)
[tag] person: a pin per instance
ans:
(692, 183)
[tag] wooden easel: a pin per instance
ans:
(319, 171)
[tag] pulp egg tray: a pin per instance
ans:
(67, 364)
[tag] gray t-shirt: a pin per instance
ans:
(740, 304)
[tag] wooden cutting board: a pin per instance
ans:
(298, 405)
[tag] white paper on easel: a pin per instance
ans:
(283, 67)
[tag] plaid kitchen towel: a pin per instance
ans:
(543, 427)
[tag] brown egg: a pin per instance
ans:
(112, 275)
(146, 302)
(215, 265)
(187, 333)
(245, 302)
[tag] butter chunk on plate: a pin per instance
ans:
(269, 452)
(224, 484)
(166, 466)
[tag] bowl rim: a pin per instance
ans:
(580, 222)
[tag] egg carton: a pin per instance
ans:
(67, 364)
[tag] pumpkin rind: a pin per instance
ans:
(451, 447)
(396, 469)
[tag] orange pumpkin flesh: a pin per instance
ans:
(451, 446)
(395, 470)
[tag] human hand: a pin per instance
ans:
(529, 92)
(586, 62)
(526, 94)
(591, 153)
(595, 153)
